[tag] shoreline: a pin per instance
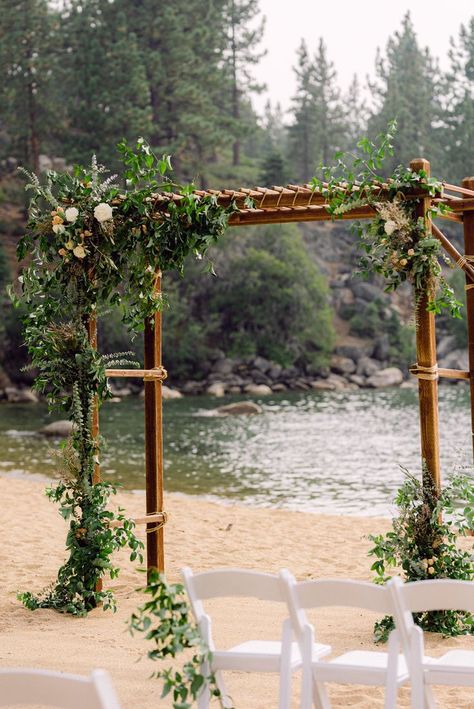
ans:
(202, 535)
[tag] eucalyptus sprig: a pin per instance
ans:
(166, 621)
(396, 243)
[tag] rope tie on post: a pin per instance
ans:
(155, 373)
(469, 286)
(430, 374)
(159, 525)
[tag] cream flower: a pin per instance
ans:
(103, 212)
(79, 252)
(71, 214)
(58, 229)
(431, 570)
(69, 245)
(390, 227)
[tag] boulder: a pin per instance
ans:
(323, 385)
(338, 381)
(223, 366)
(275, 371)
(193, 387)
(382, 348)
(367, 292)
(258, 389)
(342, 365)
(357, 379)
(367, 366)
(457, 359)
(168, 393)
(445, 346)
(57, 429)
(44, 163)
(355, 352)
(20, 396)
(262, 364)
(216, 389)
(279, 387)
(240, 408)
(391, 376)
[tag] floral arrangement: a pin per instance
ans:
(90, 245)
(423, 544)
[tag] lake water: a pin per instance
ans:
(334, 452)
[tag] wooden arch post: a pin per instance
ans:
(154, 440)
(426, 361)
(468, 228)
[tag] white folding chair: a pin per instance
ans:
(251, 656)
(55, 689)
(354, 667)
(455, 667)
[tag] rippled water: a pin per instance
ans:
(323, 451)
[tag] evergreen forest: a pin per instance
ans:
(80, 75)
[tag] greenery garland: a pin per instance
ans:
(395, 242)
(90, 245)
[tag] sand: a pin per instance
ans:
(202, 535)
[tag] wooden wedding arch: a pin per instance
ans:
(300, 203)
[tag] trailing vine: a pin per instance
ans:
(423, 544)
(90, 245)
(173, 633)
(395, 242)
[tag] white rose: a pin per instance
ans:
(103, 212)
(71, 214)
(58, 229)
(390, 227)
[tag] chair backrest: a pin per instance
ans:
(55, 689)
(230, 583)
(331, 592)
(420, 596)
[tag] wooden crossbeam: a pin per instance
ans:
(158, 373)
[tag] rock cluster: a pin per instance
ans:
(349, 368)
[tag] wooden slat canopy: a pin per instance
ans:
(302, 203)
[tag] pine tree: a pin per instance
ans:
(356, 113)
(181, 47)
(243, 37)
(318, 127)
(28, 56)
(457, 132)
(111, 98)
(405, 90)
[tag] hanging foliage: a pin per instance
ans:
(395, 242)
(90, 245)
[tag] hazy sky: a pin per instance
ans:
(352, 31)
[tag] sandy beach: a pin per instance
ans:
(202, 535)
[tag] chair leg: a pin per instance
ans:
(391, 686)
(226, 702)
(320, 696)
(204, 697)
(284, 699)
(419, 696)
